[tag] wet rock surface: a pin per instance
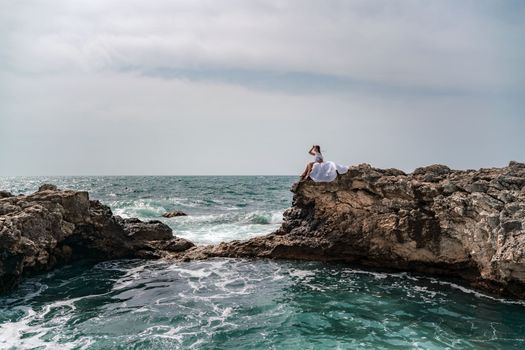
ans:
(172, 214)
(52, 227)
(468, 224)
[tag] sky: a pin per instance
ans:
(163, 87)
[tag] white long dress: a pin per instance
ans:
(326, 171)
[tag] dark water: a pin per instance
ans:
(238, 304)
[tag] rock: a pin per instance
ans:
(47, 187)
(437, 169)
(5, 194)
(467, 224)
(513, 163)
(172, 214)
(150, 231)
(52, 227)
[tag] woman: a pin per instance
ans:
(314, 151)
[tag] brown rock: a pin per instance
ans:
(467, 224)
(151, 231)
(47, 187)
(172, 214)
(52, 227)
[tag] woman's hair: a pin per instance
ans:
(317, 148)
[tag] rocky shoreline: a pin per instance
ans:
(468, 224)
(53, 227)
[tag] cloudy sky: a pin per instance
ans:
(245, 87)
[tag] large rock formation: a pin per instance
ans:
(52, 227)
(469, 224)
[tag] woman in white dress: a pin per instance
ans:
(316, 152)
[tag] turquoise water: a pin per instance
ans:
(238, 303)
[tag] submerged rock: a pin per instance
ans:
(468, 224)
(172, 214)
(52, 227)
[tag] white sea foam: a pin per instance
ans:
(377, 275)
(476, 293)
(404, 275)
(205, 228)
(142, 208)
(28, 332)
(210, 229)
(301, 273)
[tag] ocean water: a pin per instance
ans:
(238, 303)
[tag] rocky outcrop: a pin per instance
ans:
(52, 227)
(468, 224)
(172, 214)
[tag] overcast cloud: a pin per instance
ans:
(245, 87)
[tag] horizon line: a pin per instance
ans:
(137, 175)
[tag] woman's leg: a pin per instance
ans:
(310, 167)
(303, 175)
(307, 170)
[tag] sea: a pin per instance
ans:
(237, 303)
